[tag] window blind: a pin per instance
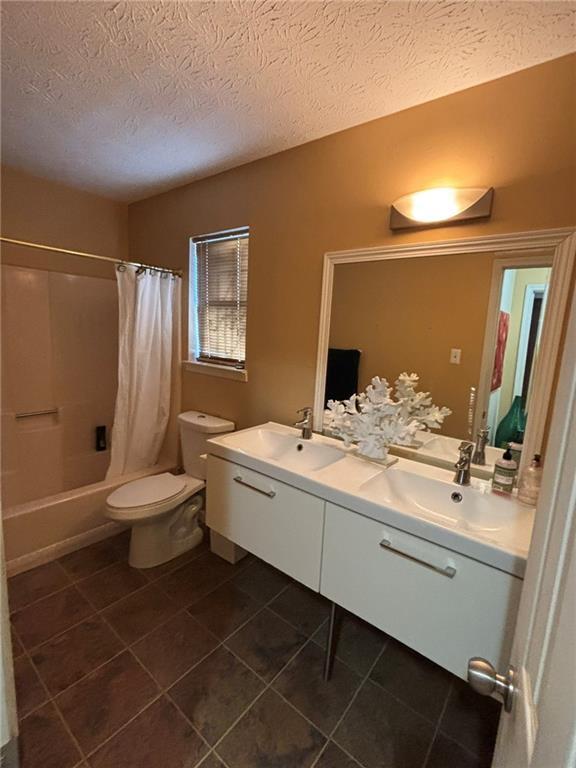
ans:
(221, 292)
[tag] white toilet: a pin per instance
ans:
(163, 509)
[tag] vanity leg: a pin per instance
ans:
(332, 641)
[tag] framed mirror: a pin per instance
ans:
(478, 320)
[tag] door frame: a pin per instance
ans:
(543, 374)
(541, 723)
(559, 243)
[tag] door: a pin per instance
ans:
(540, 730)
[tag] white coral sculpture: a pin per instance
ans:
(376, 418)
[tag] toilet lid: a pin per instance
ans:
(147, 490)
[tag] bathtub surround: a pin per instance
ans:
(39, 529)
(149, 329)
(59, 360)
(515, 133)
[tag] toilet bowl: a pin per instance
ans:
(163, 510)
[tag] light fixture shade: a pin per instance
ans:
(440, 206)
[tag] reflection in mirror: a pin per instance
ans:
(520, 318)
(429, 315)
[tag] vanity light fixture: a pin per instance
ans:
(441, 206)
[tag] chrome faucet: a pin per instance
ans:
(462, 466)
(479, 455)
(305, 424)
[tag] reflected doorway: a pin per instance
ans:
(520, 318)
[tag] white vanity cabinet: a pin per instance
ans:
(442, 604)
(273, 520)
(449, 591)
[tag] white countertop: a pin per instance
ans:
(352, 482)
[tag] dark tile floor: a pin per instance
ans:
(201, 663)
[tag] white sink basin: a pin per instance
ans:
(447, 448)
(470, 507)
(289, 450)
(414, 497)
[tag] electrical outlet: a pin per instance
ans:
(455, 356)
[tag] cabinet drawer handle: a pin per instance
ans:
(448, 571)
(239, 480)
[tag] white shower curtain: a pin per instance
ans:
(149, 322)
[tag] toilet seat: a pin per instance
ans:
(147, 490)
(151, 496)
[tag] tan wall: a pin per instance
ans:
(440, 303)
(516, 133)
(41, 211)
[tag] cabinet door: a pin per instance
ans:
(446, 606)
(274, 521)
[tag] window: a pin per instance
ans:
(218, 292)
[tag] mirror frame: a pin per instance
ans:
(559, 244)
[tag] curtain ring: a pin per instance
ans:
(121, 267)
(140, 270)
(165, 275)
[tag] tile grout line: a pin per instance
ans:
(163, 691)
(148, 704)
(437, 729)
(74, 581)
(405, 704)
(314, 637)
(125, 647)
(267, 686)
(100, 611)
(129, 646)
(353, 699)
(51, 700)
(476, 757)
(221, 643)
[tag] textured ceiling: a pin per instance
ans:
(130, 98)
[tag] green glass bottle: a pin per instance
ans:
(511, 428)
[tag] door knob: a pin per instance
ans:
(484, 679)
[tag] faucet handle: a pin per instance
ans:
(466, 448)
(306, 411)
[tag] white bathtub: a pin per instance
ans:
(45, 529)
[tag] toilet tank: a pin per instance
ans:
(195, 429)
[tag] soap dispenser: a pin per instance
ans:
(504, 474)
(530, 481)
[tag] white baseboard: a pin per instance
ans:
(54, 551)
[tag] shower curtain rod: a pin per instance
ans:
(89, 255)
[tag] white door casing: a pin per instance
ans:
(8, 717)
(540, 732)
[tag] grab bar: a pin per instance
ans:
(27, 414)
(241, 481)
(448, 571)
